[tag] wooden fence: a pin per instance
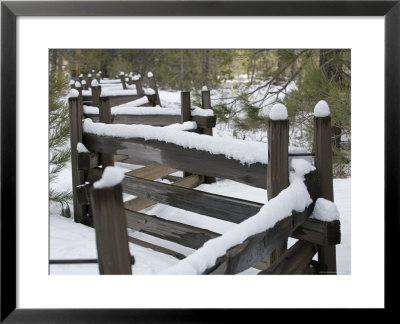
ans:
(267, 251)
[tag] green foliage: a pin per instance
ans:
(329, 81)
(59, 153)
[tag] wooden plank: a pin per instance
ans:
(176, 232)
(217, 206)
(144, 152)
(139, 203)
(151, 172)
(255, 248)
(156, 247)
(318, 232)
(88, 160)
(111, 235)
(323, 163)
(294, 260)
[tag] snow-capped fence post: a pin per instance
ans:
(96, 90)
(185, 113)
(89, 80)
(122, 77)
(78, 176)
(323, 163)
(153, 85)
(206, 104)
(110, 225)
(78, 87)
(138, 84)
(84, 85)
(185, 107)
(106, 118)
(278, 168)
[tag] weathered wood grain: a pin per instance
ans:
(96, 96)
(323, 163)
(78, 176)
(155, 247)
(123, 82)
(94, 174)
(143, 152)
(153, 85)
(294, 260)
(139, 203)
(255, 248)
(319, 232)
(217, 206)
(176, 232)
(111, 233)
(278, 168)
(119, 100)
(106, 118)
(151, 172)
(185, 107)
(82, 194)
(207, 130)
(139, 87)
(88, 160)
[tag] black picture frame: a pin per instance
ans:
(10, 10)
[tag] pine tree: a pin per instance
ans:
(59, 152)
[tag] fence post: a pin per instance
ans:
(78, 176)
(84, 85)
(72, 84)
(96, 89)
(122, 77)
(185, 113)
(278, 168)
(106, 118)
(153, 85)
(111, 231)
(139, 89)
(206, 104)
(323, 163)
(89, 80)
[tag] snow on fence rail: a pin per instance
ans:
(258, 234)
(117, 91)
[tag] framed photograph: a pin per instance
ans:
(364, 34)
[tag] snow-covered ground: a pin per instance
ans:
(69, 240)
